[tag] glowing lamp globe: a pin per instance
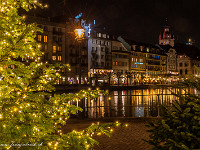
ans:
(79, 33)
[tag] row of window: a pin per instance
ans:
(119, 56)
(46, 28)
(102, 35)
(57, 38)
(101, 42)
(96, 48)
(138, 66)
(44, 39)
(137, 60)
(183, 64)
(182, 71)
(57, 48)
(57, 58)
(151, 56)
(171, 66)
(115, 63)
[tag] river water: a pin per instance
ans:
(132, 103)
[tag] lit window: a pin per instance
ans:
(116, 63)
(54, 49)
(59, 58)
(98, 34)
(54, 58)
(40, 38)
(59, 48)
(45, 38)
(113, 63)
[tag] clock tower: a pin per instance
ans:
(166, 38)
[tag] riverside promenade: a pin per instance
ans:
(122, 138)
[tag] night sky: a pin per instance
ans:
(139, 20)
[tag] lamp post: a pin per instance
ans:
(79, 33)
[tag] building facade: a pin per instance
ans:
(184, 65)
(99, 56)
(172, 61)
(120, 62)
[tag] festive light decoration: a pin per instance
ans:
(79, 33)
(28, 111)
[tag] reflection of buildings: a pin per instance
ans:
(131, 103)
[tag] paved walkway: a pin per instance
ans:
(123, 138)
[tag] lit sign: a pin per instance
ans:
(138, 63)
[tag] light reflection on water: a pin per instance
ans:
(132, 103)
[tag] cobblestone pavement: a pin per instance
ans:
(122, 138)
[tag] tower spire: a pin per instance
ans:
(166, 38)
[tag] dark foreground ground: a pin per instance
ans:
(123, 138)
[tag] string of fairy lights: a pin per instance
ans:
(24, 88)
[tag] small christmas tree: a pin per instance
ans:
(30, 117)
(179, 128)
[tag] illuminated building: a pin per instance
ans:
(145, 59)
(120, 60)
(172, 61)
(188, 60)
(166, 38)
(52, 41)
(184, 65)
(99, 55)
(77, 52)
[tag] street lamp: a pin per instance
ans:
(79, 33)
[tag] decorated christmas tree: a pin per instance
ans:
(179, 127)
(30, 116)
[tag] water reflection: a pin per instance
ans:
(132, 103)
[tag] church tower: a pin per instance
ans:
(166, 38)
